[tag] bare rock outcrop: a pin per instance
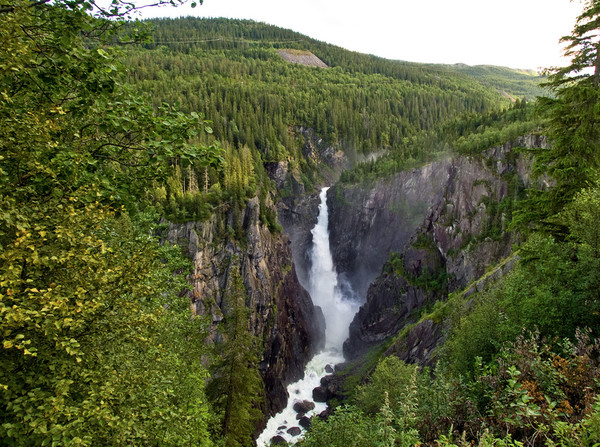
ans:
(302, 57)
(282, 313)
(461, 233)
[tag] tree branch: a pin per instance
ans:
(4, 9)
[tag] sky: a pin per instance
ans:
(513, 33)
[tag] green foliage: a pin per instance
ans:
(468, 133)
(571, 161)
(536, 392)
(93, 330)
(524, 84)
(552, 276)
(347, 427)
(486, 440)
(475, 133)
(429, 279)
(582, 433)
(357, 371)
(538, 386)
(235, 386)
(582, 219)
(391, 376)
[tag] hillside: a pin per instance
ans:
(157, 208)
(231, 72)
(522, 84)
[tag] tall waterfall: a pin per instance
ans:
(324, 287)
(338, 311)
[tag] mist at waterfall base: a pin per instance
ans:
(339, 306)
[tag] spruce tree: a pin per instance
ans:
(571, 160)
(236, 387)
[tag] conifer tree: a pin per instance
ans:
(236, 387)
(572, 159)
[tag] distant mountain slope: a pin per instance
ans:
(232, 33)
(230, 71)
(516, 83)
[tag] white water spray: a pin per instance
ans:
(324, 283)
(338, 311)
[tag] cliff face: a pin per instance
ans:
(366, 224)
(462, 231)
(282, 314)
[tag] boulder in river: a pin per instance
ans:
(304, 406)
(320, 394)
(304, 422)
(294, 431)
(278, 440)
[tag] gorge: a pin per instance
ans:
(338, 310)
(438, 219)
(204, 243)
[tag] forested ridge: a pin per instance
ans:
(103, 136)
(229, 71)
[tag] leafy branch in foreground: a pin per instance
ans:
(93, 328)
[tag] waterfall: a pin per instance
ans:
(338, 310)
(324, 288)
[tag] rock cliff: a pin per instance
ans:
(367, 223)
(282, 314)
(463, 212)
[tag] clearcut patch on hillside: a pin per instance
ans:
(302, 57)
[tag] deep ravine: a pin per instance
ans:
(338, 309)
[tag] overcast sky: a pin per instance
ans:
(512, 33)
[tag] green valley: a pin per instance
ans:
(159, 187)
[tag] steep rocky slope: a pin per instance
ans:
(462, 233)
(282, 314)
(367, 223)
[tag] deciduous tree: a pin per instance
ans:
(92, 327)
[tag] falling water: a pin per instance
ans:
(324, 288)
(338, 311)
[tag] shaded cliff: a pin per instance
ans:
(463, 231)
(282, 314)
(369, 222)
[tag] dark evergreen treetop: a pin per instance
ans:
(572, 160)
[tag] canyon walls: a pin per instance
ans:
(452, 227)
